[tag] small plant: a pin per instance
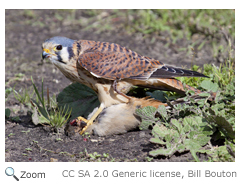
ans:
(148, 159)
(23, 96)
(25, 131)
(58, 117)
(86, 134)
(59, 139)
(106, 155)
(28, 149)
(11, 134)
(95, 155)
(47, 113)
(186, 134)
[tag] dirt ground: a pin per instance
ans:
(26, 142)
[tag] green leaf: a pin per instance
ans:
(177, 125)
(202, 139)
(42, 93)
(223, 124)
(161, 151)
(192, 144)
(157, 141)
(147, 115)
(42, 110)
(204, 94)
(162, 111)
(7, 113)
(38, 119)
(161, 131)
(158, 95)
(210, 86)
(37, 92)
(193, 152)
(80, 98)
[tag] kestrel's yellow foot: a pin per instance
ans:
(83, 123)
(77, 126)
(79, 121)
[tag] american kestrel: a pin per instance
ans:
(111, 70)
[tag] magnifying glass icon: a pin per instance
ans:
(10, 172)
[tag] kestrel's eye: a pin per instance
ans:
(59, 47)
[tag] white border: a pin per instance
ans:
(54, 170)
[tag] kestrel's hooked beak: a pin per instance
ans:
(46, 53)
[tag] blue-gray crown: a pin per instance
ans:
(65, 42)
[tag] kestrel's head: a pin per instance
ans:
(58, 49)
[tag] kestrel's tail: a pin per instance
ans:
(168, 85)
(170, 72)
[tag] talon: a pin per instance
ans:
(85, 125)
(80, 121)
(82, 124)
(90, 121)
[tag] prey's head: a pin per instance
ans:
(58, 49)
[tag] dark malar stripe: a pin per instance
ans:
(60, 59)
(70, 52)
